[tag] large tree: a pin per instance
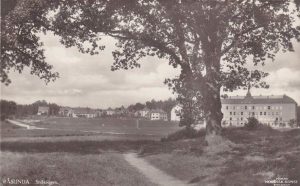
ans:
(210, 40)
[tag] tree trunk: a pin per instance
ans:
(213, 116)
(212, 99)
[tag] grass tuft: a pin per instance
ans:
(186, 133)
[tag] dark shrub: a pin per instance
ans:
(252, 123)
(186, 133)
(3, 117)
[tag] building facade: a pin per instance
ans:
(175, 113)
(78, 112)
(110, 112)
(157, 115)
(43, 110)
(66, 112)
(274, 111)
(84, 113)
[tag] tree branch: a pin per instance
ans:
(235, 38)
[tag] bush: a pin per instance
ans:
(186, 133)
(3, 117)
(252, 123)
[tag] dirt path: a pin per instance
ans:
(14, 122)
(153, 174)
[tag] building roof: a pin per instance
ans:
(157, 111)
(176, 107)
(248, 99)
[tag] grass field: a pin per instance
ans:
(70, 169)
(70, 157)
(74, 157)
(55, 127)
(111, 125)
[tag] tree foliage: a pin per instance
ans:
(166, 105)
(21, 23)
(11, 108)
(7, 109)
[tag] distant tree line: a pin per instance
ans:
(8, 108)
(166, 105)
(298, 115)
(12, 109)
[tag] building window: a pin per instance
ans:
(245, 107)
(242, 113)
(226, 107)
(233, 113)
(253, 113)
(253, 107)
(260, 113)
(230, 113)
(242, 118)
(265, 113)
(230, 118)
(269, 107)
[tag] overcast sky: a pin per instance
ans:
(87, 80)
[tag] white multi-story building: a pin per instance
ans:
(157, 115)
(275, 111)
(175, 113)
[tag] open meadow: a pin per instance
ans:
(59, 126)
(63, 154)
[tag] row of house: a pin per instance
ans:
(79, 112)
(156, 114)
(274, 111)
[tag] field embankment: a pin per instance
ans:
(257, 156)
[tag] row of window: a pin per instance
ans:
(267, 123)
(156, 117)
(255, 107)
(276, 119)
(256, 113)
